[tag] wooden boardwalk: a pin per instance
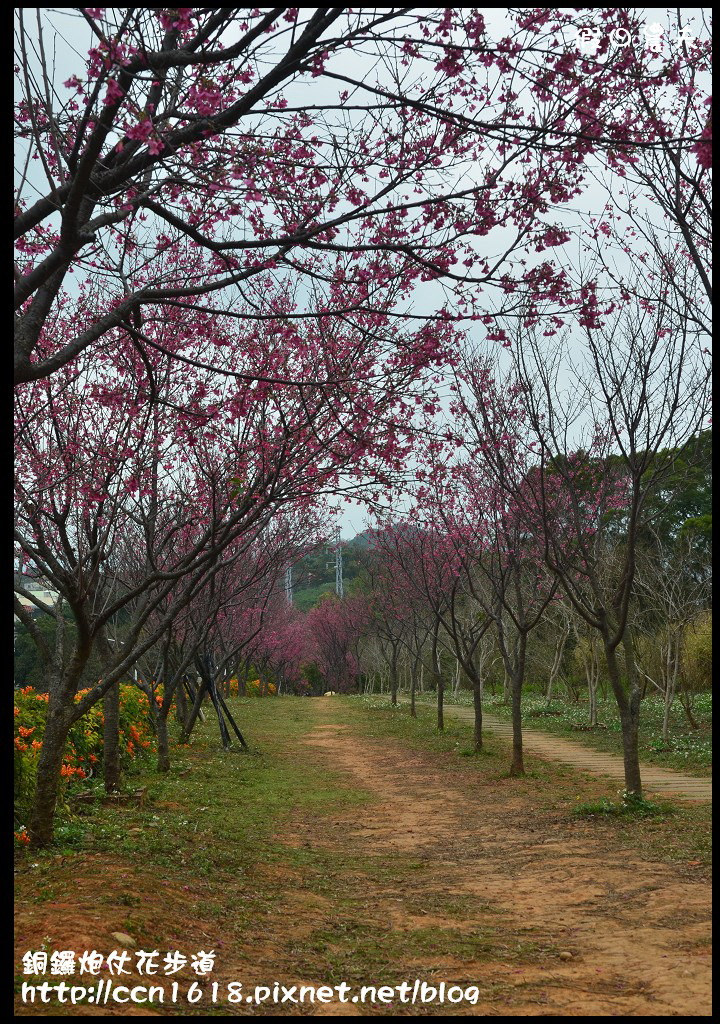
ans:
(661, 781)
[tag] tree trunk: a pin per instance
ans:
(438, 682)
(592, 681)
(194, 713)
(42, 814)
(163, 744)
(477, 705)
(517, 767)
(629, 721)
(413, 684)
(630, 724)
(686, 702)
(506, 687)
(671, 673)
(111, 739)
(181, 710)
(669, 696)
(557, 661)
(394, 682)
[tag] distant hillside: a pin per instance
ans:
(314, 575)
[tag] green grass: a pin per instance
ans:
(214, 810)
(688, 750)
(377, 718)
(236, 798)
(628, 806)
(213, 828)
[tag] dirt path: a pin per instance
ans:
(603, 932)
(388, 863)
(662, 781)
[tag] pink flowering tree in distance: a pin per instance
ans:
(413, 589)
(426, 558)
(285, 645)
(336, 627)
(402, 621)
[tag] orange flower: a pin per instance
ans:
(19, 745)
(17, 710)
(22, 836)
(36, 744)
(26, 732)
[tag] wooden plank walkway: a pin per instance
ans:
(661, 781)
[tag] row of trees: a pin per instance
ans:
(247, 244)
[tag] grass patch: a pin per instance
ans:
(214, 813)
(629, 806)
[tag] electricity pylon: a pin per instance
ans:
(338, 565)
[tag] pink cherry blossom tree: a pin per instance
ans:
(336, 626)
(216, 158)
(140, 481)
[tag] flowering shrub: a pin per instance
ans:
(84, 750)
(253, 688)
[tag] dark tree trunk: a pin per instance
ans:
(687, 708)
(517, 767)
(477, 705)
(181, 709)
(163, 743)
(516, 684)
(111, 739)
(42, 814)
(188, 726)
(438, 682)
(629, 722)
(394, 681)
